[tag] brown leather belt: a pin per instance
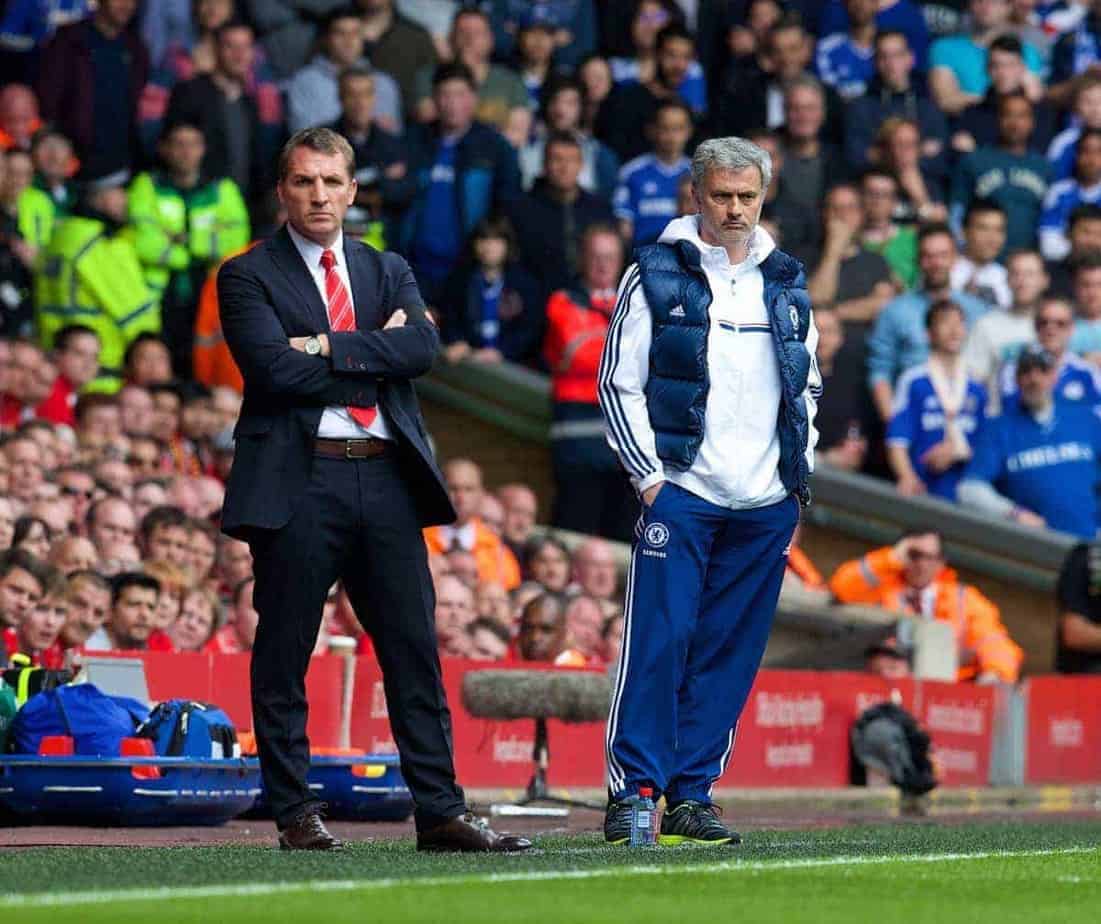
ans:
(350, 449)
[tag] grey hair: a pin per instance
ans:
(730, 154)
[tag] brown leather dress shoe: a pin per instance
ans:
(468, 833)
(308, 832)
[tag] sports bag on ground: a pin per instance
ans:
(96, 722)
(185, 728)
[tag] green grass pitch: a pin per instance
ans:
(980, 873)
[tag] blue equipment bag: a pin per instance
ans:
(96, 722)
(185, 728)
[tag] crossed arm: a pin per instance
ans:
(277, 364)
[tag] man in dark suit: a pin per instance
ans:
(333, 479)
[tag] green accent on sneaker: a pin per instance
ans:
(693, 822)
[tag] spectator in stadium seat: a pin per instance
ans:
(584, 622)
(591, 495)
(853, 281)
(845, 417)
(37, 635)
(240, 632)
(223, 105)
(500, 91)
(90, 78)
(23, 367)
(397, 45)
(1084, 188)
(562, 110)
(595, 571)
(646, 196)
(234, 562)
(1075, 53)
(52, 192)
(1086, 114)
(72, 554)
(111, 520)
(547, 560)
(313, 95)
(454, 614)
(488, 641)
(920, 191)
(896, 90)
(1078, 630)
(76, 355)
(19, 115)
(1084, 233)
(899, 339)
(521, 509)
(612, 638)
(977, 126)
(491, 305)
(147, 362)
(200, 615)
(844, 59)
(464, 566)
(912, 577)
(811, 165)
(133, 611)
(25, 467)
(575, 31)
(495, 561)
(89, 598)
(1086, 340)
(119, 558)
(551, 219)
(202, 551)
(534, 58)
(595, 76)
(1009, 174)
(464, 170)
(163, 536)
(23, 580)
(957, 65)
(384, 183)
(492, 604)
(752, 94)
(544, 635)
(880, 233)
(998, 336)
(33, 535)
(938, 413)
(977, 270)
(492, 513)
(631, 105)
(147, 494)
(1037, 463)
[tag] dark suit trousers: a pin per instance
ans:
(357, 522)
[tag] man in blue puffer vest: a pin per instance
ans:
(708, 386)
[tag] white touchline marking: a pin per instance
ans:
(244, 890)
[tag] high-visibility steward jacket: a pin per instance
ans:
(88, 275)
(496, 563)
(982, 641)
(576, 330)
(211, 362)
(174, 227)
(802, 567)
(36, 214)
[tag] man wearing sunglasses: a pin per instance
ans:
(912, 577)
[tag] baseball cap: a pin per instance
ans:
(539, 16)
(1033, 357)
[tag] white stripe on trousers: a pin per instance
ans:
(617, 778)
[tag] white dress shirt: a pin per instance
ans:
(336, 422)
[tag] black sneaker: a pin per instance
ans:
(617, 821)
(695, 823)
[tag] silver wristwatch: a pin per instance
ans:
(313, 346)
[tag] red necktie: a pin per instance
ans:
(342, 316)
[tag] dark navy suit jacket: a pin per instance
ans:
(265, 297)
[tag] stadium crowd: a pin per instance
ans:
(937, 168)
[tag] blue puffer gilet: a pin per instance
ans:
(678, 383)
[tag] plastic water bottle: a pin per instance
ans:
(643, 816)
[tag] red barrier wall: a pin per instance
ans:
(1064, 730)
(794, 730)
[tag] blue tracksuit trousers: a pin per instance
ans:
(701, 596)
